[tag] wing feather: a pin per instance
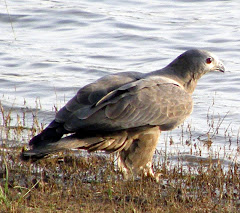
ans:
(141, 103)
(89, 95)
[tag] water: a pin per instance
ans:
(49, 49)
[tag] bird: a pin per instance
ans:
(126, 112)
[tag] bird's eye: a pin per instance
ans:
(209, 60)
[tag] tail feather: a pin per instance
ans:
(109, 143)
(51, 134)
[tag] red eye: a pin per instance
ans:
(209, 60)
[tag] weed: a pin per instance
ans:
(4, 192)
(76, 181)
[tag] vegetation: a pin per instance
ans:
(76, 181)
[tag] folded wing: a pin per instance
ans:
(141, 103)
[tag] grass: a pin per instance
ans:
(76, 181)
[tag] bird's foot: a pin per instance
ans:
(148, 172)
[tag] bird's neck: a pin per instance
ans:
(188, 83)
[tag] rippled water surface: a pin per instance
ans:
(49, 49)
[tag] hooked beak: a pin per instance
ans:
(220, 67)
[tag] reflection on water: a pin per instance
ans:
(61, 46)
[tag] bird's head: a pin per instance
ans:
(193, 64)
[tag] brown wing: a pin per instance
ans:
(92, 93)
(138, 104)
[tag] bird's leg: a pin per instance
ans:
(138, 156)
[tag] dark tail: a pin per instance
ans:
(51, 134)
(48, 136)
(108, 143)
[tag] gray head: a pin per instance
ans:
(192, 65)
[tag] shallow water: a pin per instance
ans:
(49, 49)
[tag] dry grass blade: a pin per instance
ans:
(81, 182)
